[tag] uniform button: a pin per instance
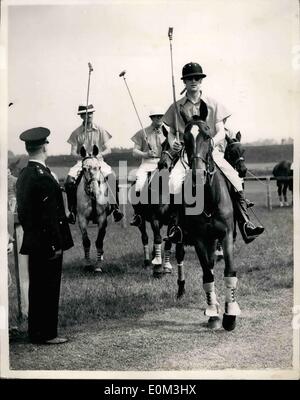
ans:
(60, 222)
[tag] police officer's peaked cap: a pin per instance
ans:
(83, 109)
(192, 69)
(35, 136)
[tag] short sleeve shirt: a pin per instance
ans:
(216, 113)
(93, 136)
(155, 138)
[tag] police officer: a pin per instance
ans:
(46, 235)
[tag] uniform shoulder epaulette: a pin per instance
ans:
(39, 170)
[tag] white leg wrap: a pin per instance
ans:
(213, 307)
(157, 260)
(180, 269)
(167, 265)
(231, 305)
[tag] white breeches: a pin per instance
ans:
(75, 170)
(179, 172)
(148, 165)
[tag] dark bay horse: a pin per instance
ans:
(92, 204)
(215, 222)
(153, 207)
(284, 178)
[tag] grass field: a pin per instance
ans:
(125, 320)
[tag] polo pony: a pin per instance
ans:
(284, 179)
(92, 205)
(214, 222)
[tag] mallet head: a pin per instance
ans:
(170, 33)
(90, 67)
(122, 73)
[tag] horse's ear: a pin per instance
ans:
(238, 136)
(83, 152)
(228, 139)
(95, 150)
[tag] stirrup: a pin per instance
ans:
(250, 236)
(249, 203)
(175, 234)
(71, 218)
(118, 215)
(136, 221)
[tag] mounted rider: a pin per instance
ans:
(87, 135)
(215, 115)
(149, 150)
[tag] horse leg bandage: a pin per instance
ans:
(231, 305)
(167, 264)
(180, 269)
(157, 260)
(213, 307)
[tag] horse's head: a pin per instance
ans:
(167, 157)
(234, 154)
(90, 165)
(198, 146)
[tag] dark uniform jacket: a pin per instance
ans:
(41, 212)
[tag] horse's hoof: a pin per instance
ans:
(229, 322)
(180, 293)
(157, 271)
(181, 289)
(89, 268)
(147, 263)
(214, 323)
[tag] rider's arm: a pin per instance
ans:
(220, 135)
(174, 144)
(138, 153)
(74, 150)
(106, 151)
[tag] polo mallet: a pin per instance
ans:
(170, 34)
(122, 74)
(87, 96)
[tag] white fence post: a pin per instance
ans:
(123, 202)
(269, 195)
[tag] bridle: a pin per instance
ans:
(208, 162)
(235, 163)
(89, 180)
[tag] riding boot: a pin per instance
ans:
(248, 230)
(175, 234)
(71, 189)
(117, 214)
(137, 218)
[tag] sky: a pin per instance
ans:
(245, 48)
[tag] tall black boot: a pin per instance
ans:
(71, 190)
(137, 218)
(175, 234)
(248, 230)
(118, 215)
